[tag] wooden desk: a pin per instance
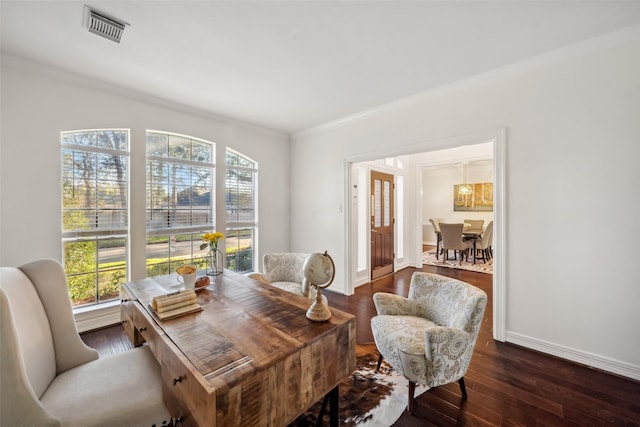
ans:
(250, 358)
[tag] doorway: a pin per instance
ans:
(355, 224)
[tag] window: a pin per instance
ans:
(240, 196)
(180, 207)
(95, 170)
(180, 200)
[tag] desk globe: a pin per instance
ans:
(319, 271)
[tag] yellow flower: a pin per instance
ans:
(211, 240)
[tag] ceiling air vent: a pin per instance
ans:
(103, 25)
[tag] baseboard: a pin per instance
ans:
(614, 366)
(97, 317)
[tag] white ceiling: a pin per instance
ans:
(292, 65)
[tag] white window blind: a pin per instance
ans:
(241, 200)
(180, 200)
(95, 171)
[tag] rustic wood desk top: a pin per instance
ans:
(254, 349)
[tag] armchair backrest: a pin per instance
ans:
(39, 335)
(449, 302)
(26, 335)
(284, 267)
(475, 224)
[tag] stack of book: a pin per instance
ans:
(175, 304)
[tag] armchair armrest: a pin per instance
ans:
(392, 304)
(444, 346)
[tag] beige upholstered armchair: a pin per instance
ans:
(429, 337)
(49, 377)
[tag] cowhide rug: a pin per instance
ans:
(367, 398)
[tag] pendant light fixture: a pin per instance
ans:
(464, 189)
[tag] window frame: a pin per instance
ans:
(96, 238)
(96, 235)
(238, 225)
(173, 233)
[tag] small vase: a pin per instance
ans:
(214, 262)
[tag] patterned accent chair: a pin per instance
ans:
(284, 270)
(49, 377)
(429, 337)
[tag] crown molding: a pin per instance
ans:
(48, 71)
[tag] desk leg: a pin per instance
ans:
(334, 409)
(334, 414)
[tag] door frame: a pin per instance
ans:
(498, 138)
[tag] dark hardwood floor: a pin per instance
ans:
(507, 385)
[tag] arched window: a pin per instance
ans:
(242, 219)
(180, 200)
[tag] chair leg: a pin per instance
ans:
(379, 362)
(463, 389)
(412, 390)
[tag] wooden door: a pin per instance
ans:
(382, 223)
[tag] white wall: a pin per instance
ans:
(39, 102)
(572, 150)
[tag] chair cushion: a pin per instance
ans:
(405, 334)
(32, 332)
(296, 288)
(125, 389)
(401, 340)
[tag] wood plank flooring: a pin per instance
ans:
(507, 385)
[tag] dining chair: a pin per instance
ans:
(475, 225)
(484, 243)
(436, 227)
(452, 239)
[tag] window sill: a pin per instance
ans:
(97, 316)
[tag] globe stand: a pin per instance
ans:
(319, 272)
(318, 312)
